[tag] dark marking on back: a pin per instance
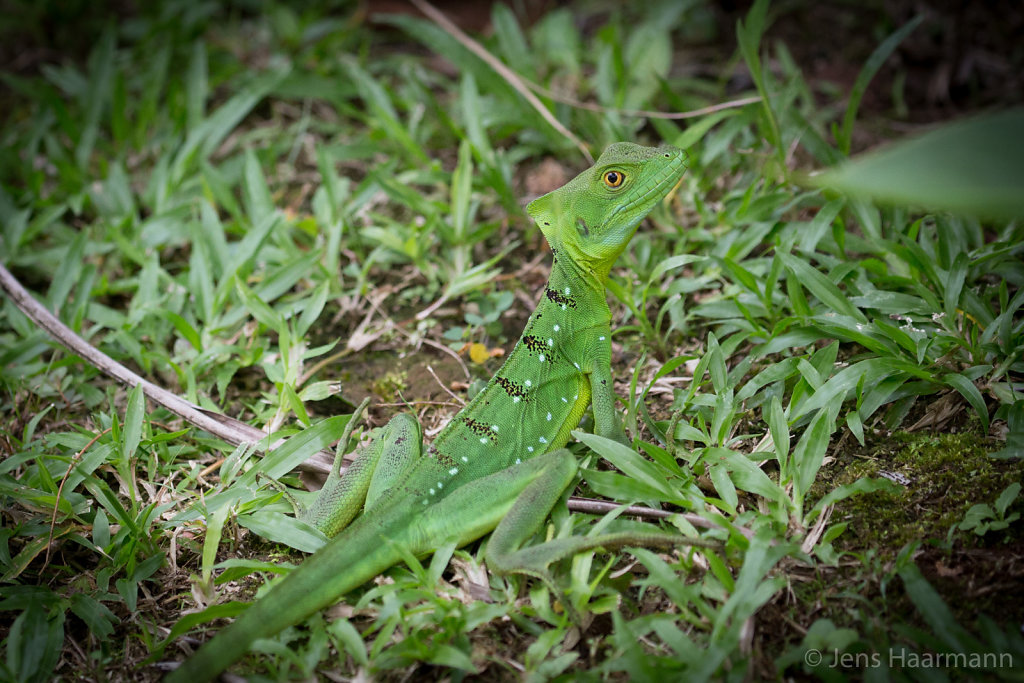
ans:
(445, 459)
(558, 298)
(534, 343)
(477, 427)
(511, 388)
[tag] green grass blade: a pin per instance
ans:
(820, 286)
(867, 72)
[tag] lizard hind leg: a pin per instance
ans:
(379, 461)
(402, 447)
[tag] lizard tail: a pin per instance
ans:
(346, 562)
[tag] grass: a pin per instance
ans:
(223, 201)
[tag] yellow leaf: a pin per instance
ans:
(478, 353)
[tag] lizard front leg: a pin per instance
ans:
(607, 422)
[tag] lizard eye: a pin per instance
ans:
(614, 178)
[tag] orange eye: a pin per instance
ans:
(614, 178)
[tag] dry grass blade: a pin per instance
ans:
(644, 113)
(510, 76)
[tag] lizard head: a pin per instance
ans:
(592, 217)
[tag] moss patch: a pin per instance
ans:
(945, 475)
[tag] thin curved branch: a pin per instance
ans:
(228, 429)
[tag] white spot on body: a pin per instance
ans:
(530, 448)
(515, 399)
(518, 461)
(557, 328)
(577, 365)
(541, 358)
(549, 417)
(453, 471)
(483, 439)
(542, 440)
(568, 291)
(431, 491)
(440, 485)
(494, 428)
(563, 307)
(551, 342)
(565, 400)
(465, 459)
(601, 337)
(528, 383)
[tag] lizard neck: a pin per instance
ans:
(587, 284)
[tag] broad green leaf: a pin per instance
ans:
(970, 392)
(186, 330)
(954, 285)
(237, 568)
(207, 136)
(295, 403)
(696, 131)
(975, 167)
(628, 461)
(285, 529)
(622, 488)
(314, 304)
(776, 420)
(719, 475)
(258, 202)
(671, 263)
(224, 610)
(820, 286)
(934, 610)
(744, 473)
(350, 638)
(773, 373)
(211, 541)
(134, 414)
(748, 35)
(196, 85)
(244, 251)
(298, 448)
(863, 485)
(260, 310)
(809, 453)
(34, 643)
(1006, 497)
(96, 95)
(94, 613)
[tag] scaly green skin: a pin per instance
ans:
(481, 473)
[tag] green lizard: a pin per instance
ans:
(499, 465)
